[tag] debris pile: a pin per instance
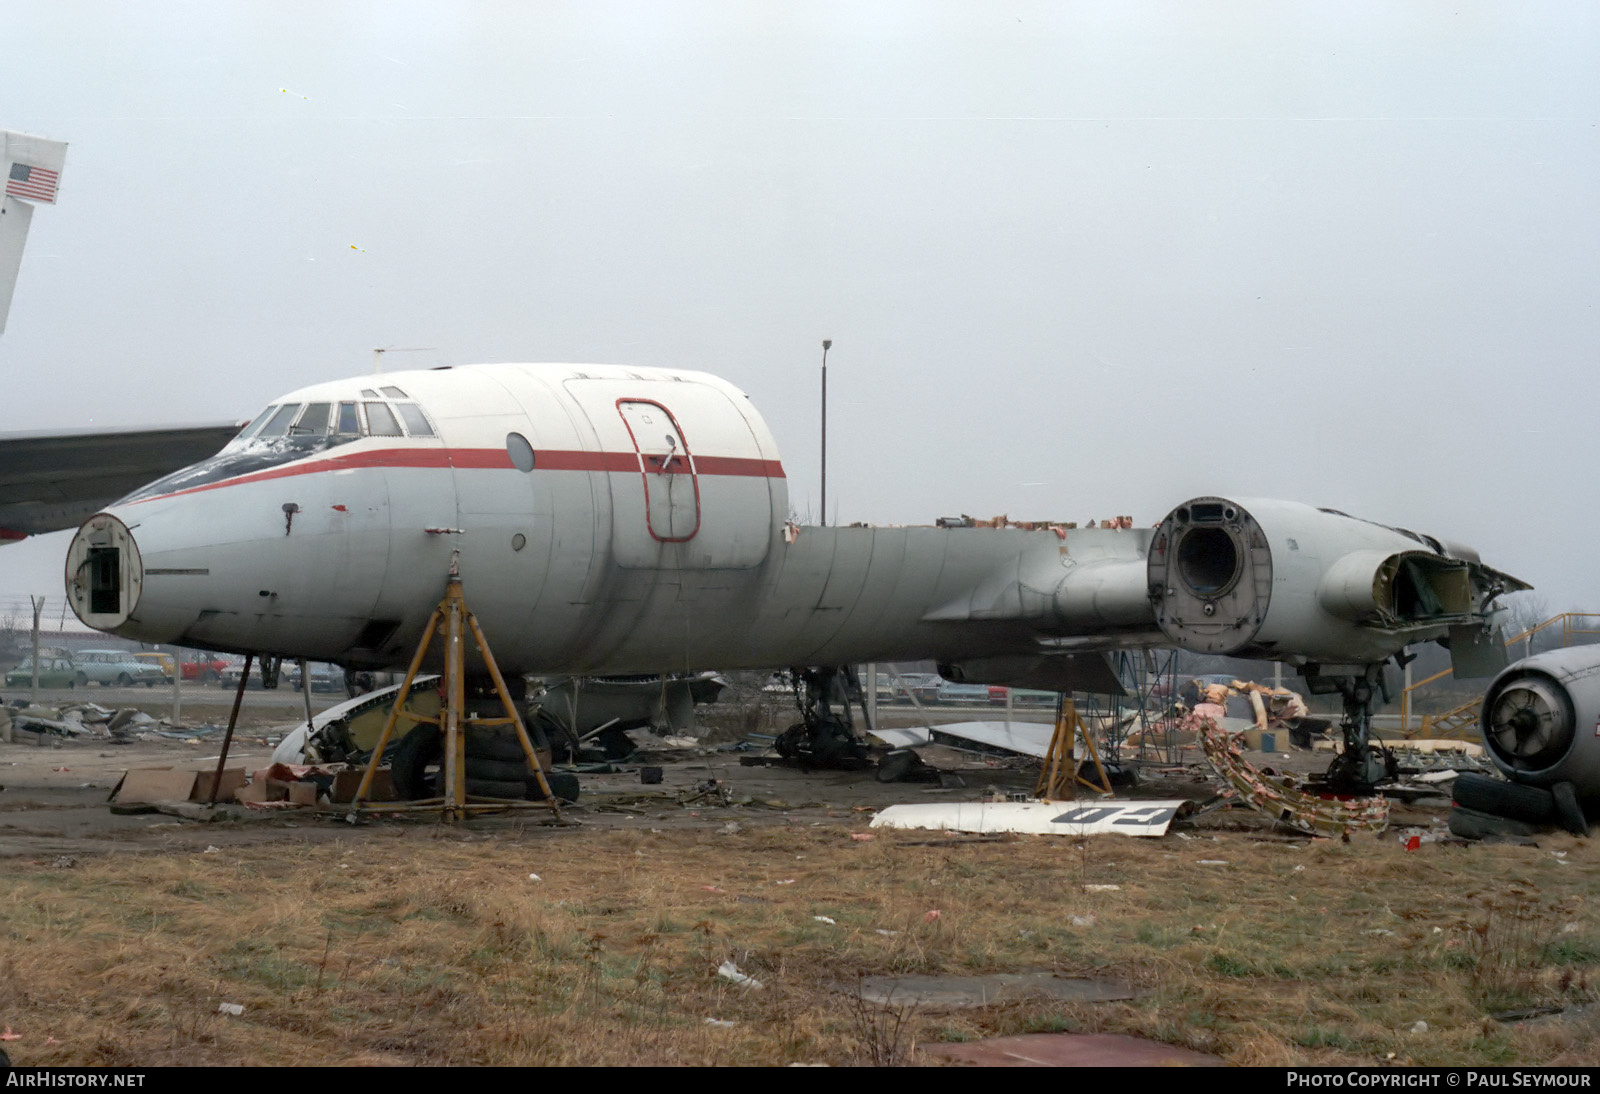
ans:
(1280, 796)
(43, 725)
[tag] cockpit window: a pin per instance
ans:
(368, 393)
(278, 424)
(380, 420)
(313, 422)
(251, 428)
(287, 432)
(416, 424)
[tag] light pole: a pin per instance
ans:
(827, 344)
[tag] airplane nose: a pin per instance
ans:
(105, 574)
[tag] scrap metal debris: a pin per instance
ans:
(1279, 796)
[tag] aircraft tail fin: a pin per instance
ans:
(31, 168)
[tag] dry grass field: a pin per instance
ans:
(416, 944)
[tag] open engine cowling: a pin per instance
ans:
(1541, 720)
(1279, 579)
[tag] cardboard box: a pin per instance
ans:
(346, 783)
(154, 784)
(254, 792)
(303, 793)
(232, 780)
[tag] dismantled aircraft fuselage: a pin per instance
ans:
(618, 520)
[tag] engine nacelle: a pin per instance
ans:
(1289, 581)
(1541, 720)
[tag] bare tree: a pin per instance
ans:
(1520, 613)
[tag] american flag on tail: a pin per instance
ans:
(32, 183)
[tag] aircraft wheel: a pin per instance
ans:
(1484, 794)
(81, 679)
(410, 759)
(1568, 811)
(1471, 824)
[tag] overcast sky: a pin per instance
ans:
(1077, 260)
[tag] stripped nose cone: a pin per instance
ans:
(104, 573)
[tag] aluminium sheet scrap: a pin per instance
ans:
(1039, 818)
(902, 738)
(1023, 738)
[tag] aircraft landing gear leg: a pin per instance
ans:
(1363, 763)
(825, 737)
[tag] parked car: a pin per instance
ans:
(964, 694)
(205, 668)
(324, 677)
(163, 661)
(229, 676)
(54, 672)
(110, 668)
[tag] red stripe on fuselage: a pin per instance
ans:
(488, 459)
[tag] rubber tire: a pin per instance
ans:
(408, 762)
(1471, 824)
(1516, 801)
(81, 679)
(896, 766)
(494, 788)
(500, 743)
(563, 784)
(123, 681)
(1568, 811)
(497, 770)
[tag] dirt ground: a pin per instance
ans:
(402, 940)
(53, 799)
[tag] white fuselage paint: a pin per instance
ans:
(619, 520)
(648, 537)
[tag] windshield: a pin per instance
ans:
(285, 432)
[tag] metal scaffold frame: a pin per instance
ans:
(453, 720)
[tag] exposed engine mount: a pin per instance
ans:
(1293, 582)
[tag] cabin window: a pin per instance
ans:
(394, 393)
(520, 451)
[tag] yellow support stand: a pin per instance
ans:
(1062, 771)
(452, 614)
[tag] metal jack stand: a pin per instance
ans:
(453, 719)
(1061, 773)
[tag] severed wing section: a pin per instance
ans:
(50, 481)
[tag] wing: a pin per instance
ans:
(50, 481)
